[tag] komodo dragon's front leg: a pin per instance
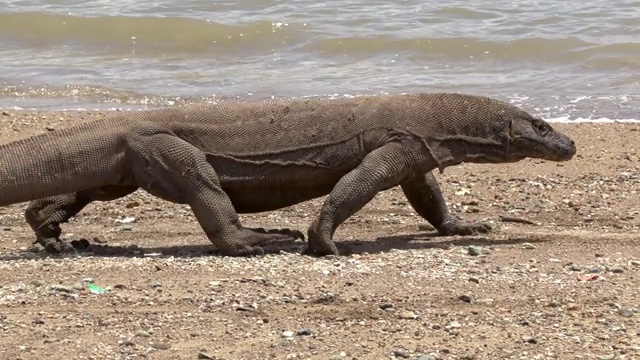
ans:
(424, 195)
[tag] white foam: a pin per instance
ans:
(566, 119)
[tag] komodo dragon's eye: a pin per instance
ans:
(541, 127)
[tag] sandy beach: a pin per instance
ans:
(561, 284)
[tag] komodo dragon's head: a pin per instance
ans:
(489, 130)
(533, 137)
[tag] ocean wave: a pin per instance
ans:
(153, 35)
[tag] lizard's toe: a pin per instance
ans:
(456, 227)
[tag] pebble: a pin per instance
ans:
(617, 270)
(303, 332)
(78, 286)
(625, 312)
(155, 284)
(474, 250)
(530, 340)
(401, 354)
(474, 280)
(425, 357)
(465, 298)
(593, 270)
(202, 355)
(635, 263)
(572, 306)
(528, 246)
(425, 227)
(245, 308)
(607, 357)
(385, 306)
(143, 333)
(287, 334)
(575, 267)
(62, 288)
(161, 346)
(407, 315)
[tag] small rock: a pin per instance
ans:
(407, 315)
(474, 250)
(132, 205)
(575, 267)
(425, 227)
(99, 240)
(617, 270)
(625, 312)
(37, 283)
(119, 286)
(425, 357)
(528, 246)
(161, 346)
(465, 298)
(143, 333)
(303, 332)
(126, 220)
(401, 354)
(202, 355)
(385, 306)
(62, 288)
(245, 308)
(124, 227)
(128, 343)
(287, 334)
(572, 306)
(38, 321)
(5, 113)
(530, 340)
(454, 325)
(593, 270)
(78, 286)
(634, 263)
(155, 284)
(607, 357)
(474, 280)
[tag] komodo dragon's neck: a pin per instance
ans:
(450, 150)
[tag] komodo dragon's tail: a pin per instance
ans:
(64, 161)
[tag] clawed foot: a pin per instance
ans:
(287, 234)
(250, 237)
(55, 245)
(456, 227)
(317, 246)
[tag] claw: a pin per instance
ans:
(457, 227)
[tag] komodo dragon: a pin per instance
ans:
(234, 158)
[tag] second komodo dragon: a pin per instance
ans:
(234, 158)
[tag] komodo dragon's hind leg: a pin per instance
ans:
(424, 195)
(175, 170)
(45, 215)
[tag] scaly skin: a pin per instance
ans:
(243, 158)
